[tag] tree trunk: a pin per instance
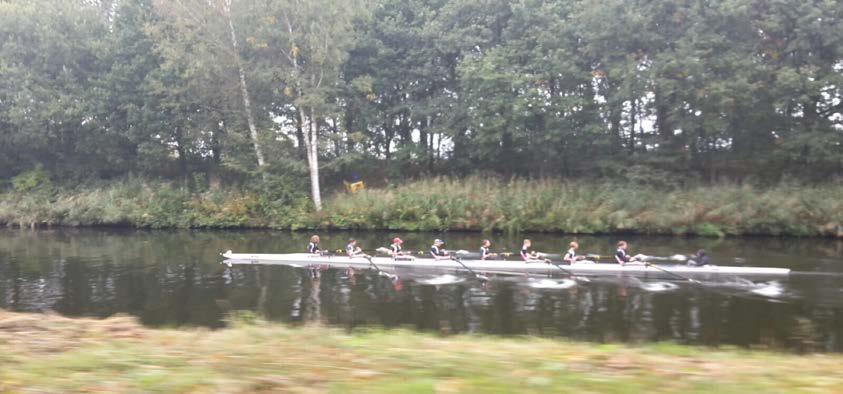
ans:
(244, 90)
(663, 124)
(183, 173)
(349, 126)
(302, 150)
(428, 143)
(405, 129)
(311, 132)
(389, 134)
(438, 145)
(214, 181)
(632, 111)
(615, 116)
(312, 142)
(337, 137)
(615, 130)
(506, 161)
(423, 146)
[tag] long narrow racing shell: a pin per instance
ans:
(514, 267)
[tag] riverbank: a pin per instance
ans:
(52, 353)
(439, 204)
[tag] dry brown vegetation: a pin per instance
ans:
(55, 354)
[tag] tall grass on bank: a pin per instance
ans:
(475, 204)
(147, 204)
(581, 207)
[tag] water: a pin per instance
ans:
(174, 278)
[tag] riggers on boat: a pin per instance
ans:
(505, 267)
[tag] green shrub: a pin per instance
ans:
(36, 179)
(708, 230)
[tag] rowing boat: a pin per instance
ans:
(514, 267)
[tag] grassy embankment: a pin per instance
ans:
(55, 354)
(440, 204)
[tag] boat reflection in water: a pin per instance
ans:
(604, 309)
(175, 278)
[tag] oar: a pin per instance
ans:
(567, 271)
(675, 275)
(549, 261)
(476, 275)
(380, 271)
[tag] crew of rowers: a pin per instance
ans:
(437, 252)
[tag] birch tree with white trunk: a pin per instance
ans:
(212, 24)
(244, 91)
(319, 33)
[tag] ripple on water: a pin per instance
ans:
(769, 290)
(657, 287)
(553, 284)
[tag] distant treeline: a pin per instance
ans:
(207, 91)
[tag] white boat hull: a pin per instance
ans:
(516, 267)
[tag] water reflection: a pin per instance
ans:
(174, 278)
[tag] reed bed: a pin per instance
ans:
(439, 204)
(589, 208)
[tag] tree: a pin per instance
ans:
(390, 89)
(318, 35)
(208, 30)
(49, 61)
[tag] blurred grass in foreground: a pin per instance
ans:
(51, 353)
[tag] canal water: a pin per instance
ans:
(174, 278)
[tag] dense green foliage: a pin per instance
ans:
(589, 208)
(149, 204)
(448, 204)
(396, 88)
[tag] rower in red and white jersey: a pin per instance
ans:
(395, 248)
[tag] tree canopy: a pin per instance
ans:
(235, 90)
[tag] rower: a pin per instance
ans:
(485, 253)
(698, 260)
(352, 249)
(622, 256)
(571, 256)
(313, 246)
(395, 248)
(529, 255)
(437, 252)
